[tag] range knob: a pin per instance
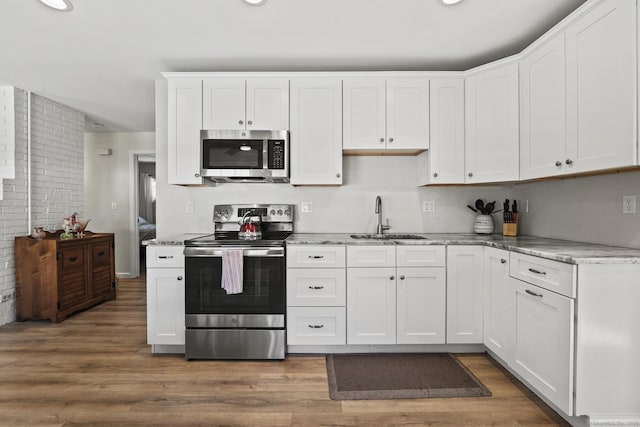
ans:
(279, 211)
(272, 212)
(287, 212)
(225, 212)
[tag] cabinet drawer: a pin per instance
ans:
(316, 287)
(72, 260)
(371, 256)
(316, 326)
(420, 256)
(100, 254)
(321, 256)
(555, 276)
(165, 256)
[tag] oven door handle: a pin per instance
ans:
(247, 252)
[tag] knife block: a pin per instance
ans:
(510, 229)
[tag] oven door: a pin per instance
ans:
(263, 283)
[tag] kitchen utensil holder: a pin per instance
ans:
(510, 229)
(483, 224)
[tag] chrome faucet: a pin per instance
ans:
(380, 227)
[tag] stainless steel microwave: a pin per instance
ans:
(245, 155)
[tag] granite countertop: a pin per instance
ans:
(553, 249)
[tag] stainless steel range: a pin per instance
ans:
(235, 284)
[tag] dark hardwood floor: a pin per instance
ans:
(95, 369)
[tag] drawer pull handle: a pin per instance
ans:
(533, 293)
(316, 256)
(533, 270)
(316, 326)
(73, 258)
(100, 253)
(165, 256)
(316, 287)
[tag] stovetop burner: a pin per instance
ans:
(231, 239)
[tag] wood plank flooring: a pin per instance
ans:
(95, 369)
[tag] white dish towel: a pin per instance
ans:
(232, 271)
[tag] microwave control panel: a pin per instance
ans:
(276, 156)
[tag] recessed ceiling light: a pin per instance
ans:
(450, 2)
(60, 5)
(255, 2)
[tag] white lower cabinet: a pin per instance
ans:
(396, 294)
(544, 340)
(316, 295)
(464, 294)
(499, 304)
(165, 295)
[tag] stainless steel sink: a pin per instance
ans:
(388, 236)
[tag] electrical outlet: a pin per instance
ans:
(114, 205)
(306, 207)
(189, 207)
(429, 206)
(629, 205)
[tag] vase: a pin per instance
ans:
(38, 233)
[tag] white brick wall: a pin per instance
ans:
(7, 135)
(57, 171)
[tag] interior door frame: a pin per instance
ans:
(135, 157)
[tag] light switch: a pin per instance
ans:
(306, 207)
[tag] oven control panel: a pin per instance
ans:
(266, 212)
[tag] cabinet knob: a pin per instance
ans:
(470, 174)
(390, 139)
(569, 161)
(337, 175)
(381, 139)
(558, 163)
(179, 277)
(435, 174)
(392, 277)
(240, 122)
(197, 175)
(401, 277)
(249, 122)
(503, 261)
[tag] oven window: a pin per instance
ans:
(232, 154)
(263, 287)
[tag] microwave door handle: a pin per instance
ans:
(265, 154)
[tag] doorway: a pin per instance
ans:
(142, 206)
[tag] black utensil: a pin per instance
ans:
(472, 208)
(480, 205)
(514, 208)
(489, 207)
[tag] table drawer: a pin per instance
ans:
(316, 287)
(316, 326)
(165, 256)
(319, 256)
(552, 275)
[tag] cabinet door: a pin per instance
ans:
(544, 333)
(464, 294)
(316, 132)
(185, 123)
(499, 304)
(364, 114)
(601, 89)
(72, 283)
(408, 113)
(542, 111)
(268, 104)
(223, 103)
(102, 273)
(491, 117)
(165, 306)
(446, 151)
(371, 306)
(421, 302)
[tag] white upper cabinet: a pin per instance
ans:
(446, 147)
(543, 122)
(601, 88)
(391, 114)
(245, 104)
(184, 124)
(316, 131)
(491, 118)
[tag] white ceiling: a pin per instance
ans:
(103, 57)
